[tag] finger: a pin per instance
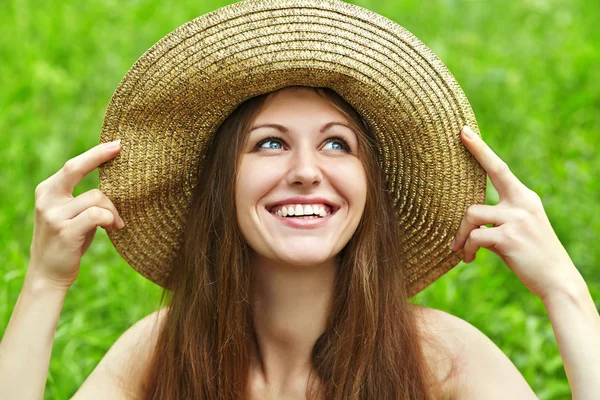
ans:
(492, 247)
(89, 219)
(65, 180)
(506, 183)
(477, 215)
(483, 237)
(93, 197)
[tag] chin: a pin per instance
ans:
(304, 260)
(303, 257)
(298, 252)
(310, 251)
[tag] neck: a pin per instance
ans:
(290, 305)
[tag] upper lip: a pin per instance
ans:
(304, 200)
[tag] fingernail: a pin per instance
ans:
(121, 223)
(452, 244)
(113, 145)
(468, 132)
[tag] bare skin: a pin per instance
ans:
(294, 271)
(292, 311)
(294, 268)
(63, 230)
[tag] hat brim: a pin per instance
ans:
(177, 94)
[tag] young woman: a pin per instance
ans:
(292, 279)
(308, 305)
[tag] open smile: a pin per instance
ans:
(304, 222)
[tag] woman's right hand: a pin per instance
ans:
(65, 226)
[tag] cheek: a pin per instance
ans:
(254, 181)
(351, 181)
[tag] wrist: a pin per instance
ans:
(37, 284)
(571, 287)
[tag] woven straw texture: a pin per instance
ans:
(179, 91)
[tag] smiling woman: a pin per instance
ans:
(306, 170)
(321, 298)
(291, 172)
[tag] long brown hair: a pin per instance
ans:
(371, 347)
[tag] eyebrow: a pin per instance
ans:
(283, 129)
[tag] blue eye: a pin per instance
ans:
(275, 143)
(269, 140)
(339, 146)
(342, 144)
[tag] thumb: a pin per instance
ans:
(88, 240)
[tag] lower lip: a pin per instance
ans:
(304, 223)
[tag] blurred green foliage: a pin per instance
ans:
(529, 68)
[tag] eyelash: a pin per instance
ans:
(345, 144)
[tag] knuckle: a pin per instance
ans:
(532, 201)
(40, 207)
(96, 196)
(511, 235)
(71, 168)
(474, 235)
(94, 214)
(52, 220)
(472, 209)
(534, 197)
(99, 216)
(63, 233)
(521, 215)
(40, 189)
(501, 169)
(472, 212)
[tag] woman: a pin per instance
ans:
(277, 306)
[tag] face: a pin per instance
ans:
(308, 166)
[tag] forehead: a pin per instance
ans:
(294, 101)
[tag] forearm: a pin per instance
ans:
(27, 343)
(576, 325)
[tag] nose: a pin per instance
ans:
(304, 169)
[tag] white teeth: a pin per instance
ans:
(302, 210)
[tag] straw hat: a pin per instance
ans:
(177, 94)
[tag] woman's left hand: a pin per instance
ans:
(522, 235)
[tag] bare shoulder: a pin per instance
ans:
(470, 365)
(119, 372)
(439, 350)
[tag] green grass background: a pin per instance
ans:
(529, 68)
